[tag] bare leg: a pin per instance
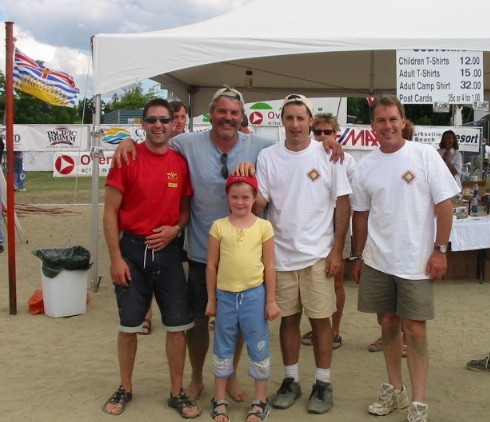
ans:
(322, 342)
(175, 349)
(233, 387)
(340, 301)
(418, 357)
(127, 344)
(220, 394)
(260, 394)
(290, 335)
(392, 347)
(198, 345)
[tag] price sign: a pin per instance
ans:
(442, 76)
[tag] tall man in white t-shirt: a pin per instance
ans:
(398, 189)
(302, 188)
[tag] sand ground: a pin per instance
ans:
(63, 369)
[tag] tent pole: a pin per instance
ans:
(95, 154)
(9, 126)
(190, 104)
(371, 74)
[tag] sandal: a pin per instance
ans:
(121, 397)
(336, 341)
(146, 328)
(376, 346)
(307, 339)
(265, 409)
(182, 402)
(215, 413)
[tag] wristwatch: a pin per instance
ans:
(354, 258)
(440, 248)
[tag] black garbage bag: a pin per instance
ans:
(56, 260)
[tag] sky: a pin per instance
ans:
(58, 32)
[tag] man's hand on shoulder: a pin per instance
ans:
(125, 149)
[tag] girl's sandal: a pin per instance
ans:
(265, 409)
(215, 413)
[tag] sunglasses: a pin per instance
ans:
(224, 168)
(162, 119)
(318, 132)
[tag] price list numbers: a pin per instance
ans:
(444, 76)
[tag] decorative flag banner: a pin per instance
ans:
(51, 86)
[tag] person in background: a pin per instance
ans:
(180, 117)
(325, 126)
(481, 364)
(308, 252)
(396, 263)
(244, 125)
(241, 283)
(2, 149)
(146, 207)
(19, 175)
(178, 127)
(448, 149)
(2, 208)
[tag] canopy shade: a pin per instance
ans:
(315, 47)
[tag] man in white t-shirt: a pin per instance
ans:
(398, 189)
(302, 188)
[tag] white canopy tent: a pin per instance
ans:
(315, 47)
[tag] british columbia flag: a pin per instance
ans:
(51, 86)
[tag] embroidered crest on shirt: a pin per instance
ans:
(313, 174)
(172, 179)
(408, 177)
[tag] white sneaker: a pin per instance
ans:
(418, 412)
(389, 399)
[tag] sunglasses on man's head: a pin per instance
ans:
(318, 132)
(162, 119)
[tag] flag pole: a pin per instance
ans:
(9, 125)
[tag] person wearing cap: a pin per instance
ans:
(241, 282)
(211, 156)
(302, 187)
(143, 214)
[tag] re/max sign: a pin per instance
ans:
(358, 137)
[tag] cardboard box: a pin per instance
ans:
(462, 265)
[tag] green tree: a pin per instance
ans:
(133, 98)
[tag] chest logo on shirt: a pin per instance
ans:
(172, 179)
(313, 175)
(408, 177)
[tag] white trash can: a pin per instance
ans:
(65, 294)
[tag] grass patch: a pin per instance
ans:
(40, 181)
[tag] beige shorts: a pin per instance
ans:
(309, 289)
